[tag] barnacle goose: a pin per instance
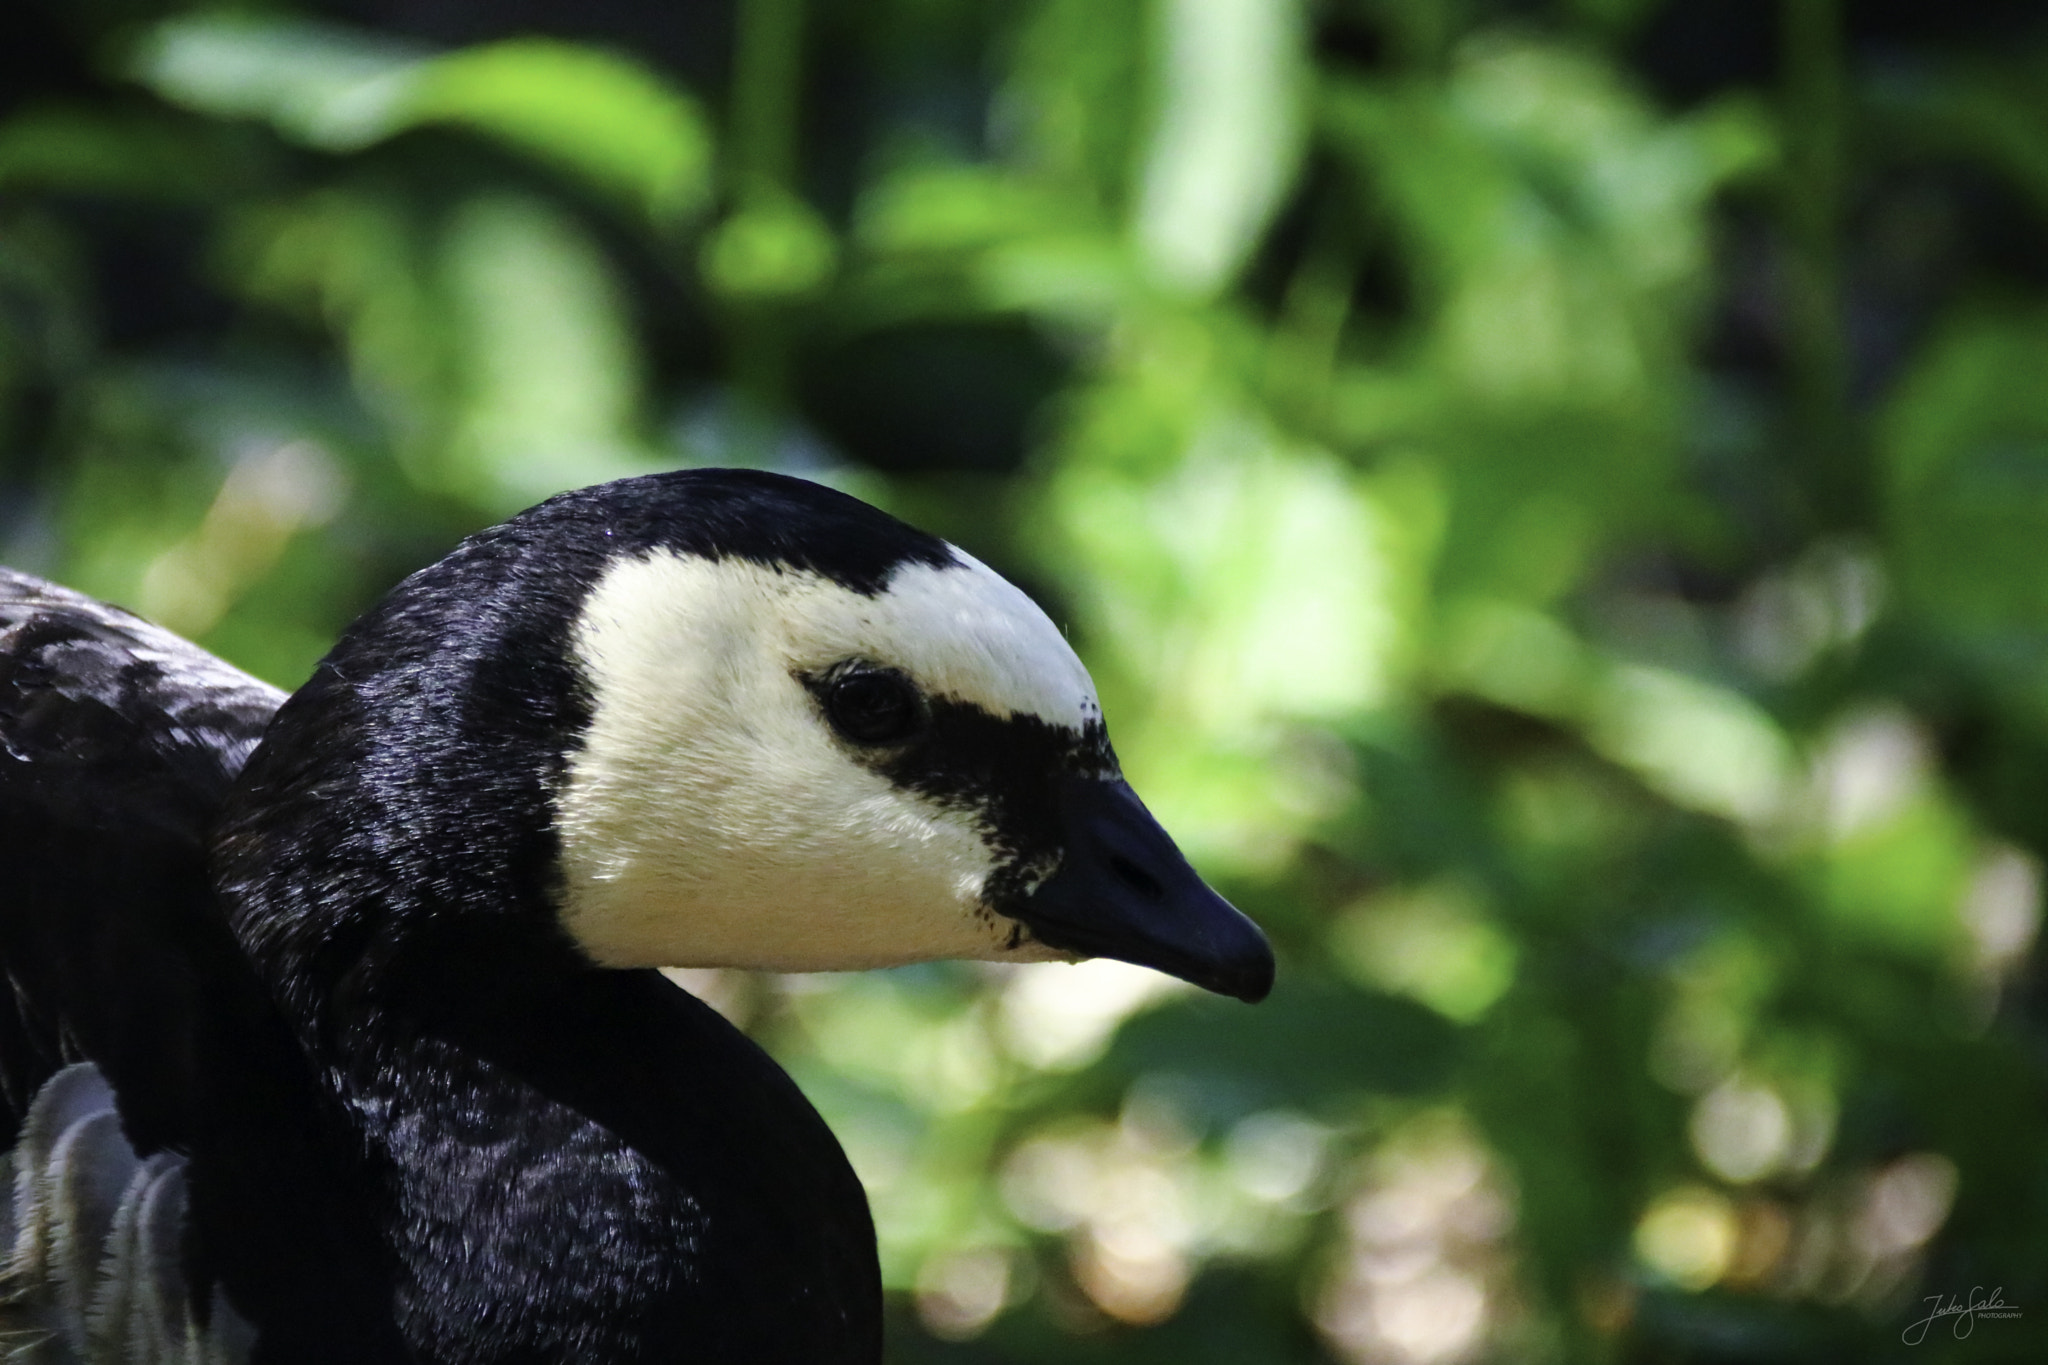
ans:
(334, 1033)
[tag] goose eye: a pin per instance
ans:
(874, 706)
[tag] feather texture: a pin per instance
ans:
(95, 1268)
(118, 745)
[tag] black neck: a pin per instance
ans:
(559, 1162)
(618, 1173)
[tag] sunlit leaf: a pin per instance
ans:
(1701, 745)
(601, 117)
(1225, 138)
(548, 381)
(772, 250)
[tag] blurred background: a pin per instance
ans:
(1554, 494)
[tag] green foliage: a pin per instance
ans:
(1568, 559)
(603, 118)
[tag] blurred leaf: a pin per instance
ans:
(1900, 881)
(317, 83)
(1988, 108)
(944, 208)
(1253, 589)
(1436, 944)
(1226, 136)
(1702, 746)
(1075, 89)
(1966, 462)
(548, 393)
(1552, 213)
(771, 249)
(1552, 221)
(359, 265)
(601, 117)
(91, 150)
(1307, 1046)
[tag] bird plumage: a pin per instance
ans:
(93, 1240)
(371, 969)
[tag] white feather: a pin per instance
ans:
(712, 819)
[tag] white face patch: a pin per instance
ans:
(714, 819)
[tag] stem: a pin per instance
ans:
(767, 73)
(1817, 352)
(766, 97)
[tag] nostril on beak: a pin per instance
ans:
(1135, 877)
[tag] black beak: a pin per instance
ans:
(1123, 890)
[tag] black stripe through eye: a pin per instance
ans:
(874, 706)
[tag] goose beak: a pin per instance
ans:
(1123, 890)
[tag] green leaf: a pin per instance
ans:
(1991, 111)
(319, 84)
(1965, 448)
(91, 150)
(1226, 140)
(777, 249)
(603, 118)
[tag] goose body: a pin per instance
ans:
(336, 1034)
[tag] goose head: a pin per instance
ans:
(730, 719)
(832, 761)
